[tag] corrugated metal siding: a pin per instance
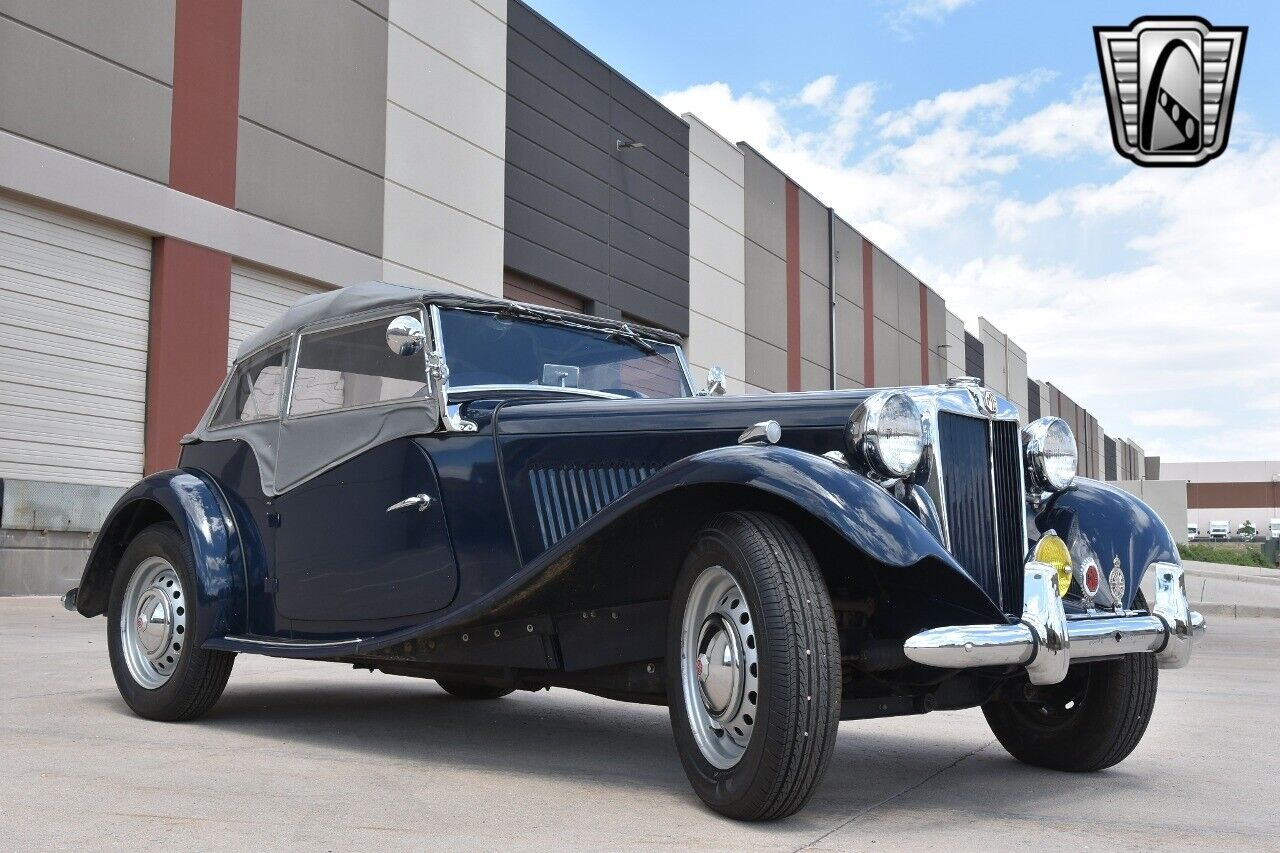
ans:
(74, 305)
(257, 298)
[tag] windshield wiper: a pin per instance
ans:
(627, 334)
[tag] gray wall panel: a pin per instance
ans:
(849, 263)
(884, 281)
(815, 252)
(766, 216)
(316, 72)
(137, 34)
(815, 322)
(849, 351)
(766, 297)
(908, 304)
(286, 182)
(766, 365)
(74, 100)
(567, 181)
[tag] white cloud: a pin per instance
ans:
(819, 91)
(1162, 322)
(906, 13)
(1011, 217)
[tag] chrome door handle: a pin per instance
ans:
(420, 501)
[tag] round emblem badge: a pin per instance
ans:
(1116, 581)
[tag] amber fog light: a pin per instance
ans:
(1052, 551)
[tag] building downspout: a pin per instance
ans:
(832, 257)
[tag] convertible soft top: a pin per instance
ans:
(372, 295)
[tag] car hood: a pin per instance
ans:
(809, 410)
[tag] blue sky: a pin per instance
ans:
(969, 139)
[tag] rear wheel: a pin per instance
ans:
(1091, 721)
(154, 631)
(753, 667)
(466, 690)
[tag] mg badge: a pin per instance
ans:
(1171, 86)
(1116, 581)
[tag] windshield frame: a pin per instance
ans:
(537, 315)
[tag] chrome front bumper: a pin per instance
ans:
(1047, 641)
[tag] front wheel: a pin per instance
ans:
(753, 667)
(1091, 721)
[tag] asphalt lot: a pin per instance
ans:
(317, 756)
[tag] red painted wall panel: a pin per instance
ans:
(191, 285)
(793, 286)
(187, 349)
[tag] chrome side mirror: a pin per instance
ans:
(405, 335)
(715, 383)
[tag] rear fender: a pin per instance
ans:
(192, 502)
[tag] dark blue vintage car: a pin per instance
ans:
(503, 497)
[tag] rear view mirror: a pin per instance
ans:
(405, 335)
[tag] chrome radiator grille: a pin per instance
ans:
(982, 487)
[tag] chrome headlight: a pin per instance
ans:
(887, 433)
(1050, 450)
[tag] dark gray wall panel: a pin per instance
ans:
(553, 170)
(973, 357)
(611, 226)
(78, 101)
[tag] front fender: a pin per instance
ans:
(192, 501)
(863, 513)
(1116, 525)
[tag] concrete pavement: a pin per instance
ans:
(318, 756)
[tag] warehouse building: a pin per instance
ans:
(1234, 492)
(174, 172)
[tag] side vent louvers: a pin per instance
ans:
(565, 496)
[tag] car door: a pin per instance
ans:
(362, 537)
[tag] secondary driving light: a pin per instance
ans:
(887, 433)
(1050, 454)
(1052, 551)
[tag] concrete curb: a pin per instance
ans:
(1236, 611)
(1233, 576)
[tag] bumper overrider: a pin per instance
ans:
(1047, 641)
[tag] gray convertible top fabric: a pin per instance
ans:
(371, 295)
(294, 450)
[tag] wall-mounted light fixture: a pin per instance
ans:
(629, 143)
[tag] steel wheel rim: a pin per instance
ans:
(153, 622)
(719, 667)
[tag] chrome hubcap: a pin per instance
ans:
(153, 622)
(719, 667)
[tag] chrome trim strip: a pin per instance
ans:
(995, 511)
(554, 389)
(293, 644)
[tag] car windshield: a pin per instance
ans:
(495, 349)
